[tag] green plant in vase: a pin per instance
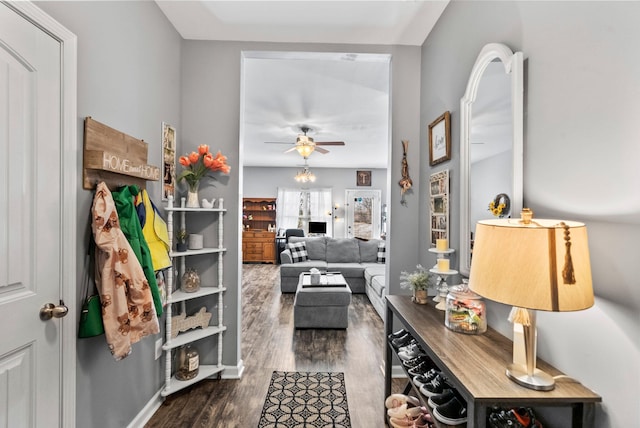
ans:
(181, 238)
(418, 282)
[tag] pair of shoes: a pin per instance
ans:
(405, 413)
(424, 378)
(453, 412)
(520, 417)
(504, 419)
(397, 400)
(443, 398)
(423, 367)
(413, 362)
(435, 387)
(409, 352)
(401, 341)
(397, 334)
(422, 420)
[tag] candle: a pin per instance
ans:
(442, 245)
(443, 265)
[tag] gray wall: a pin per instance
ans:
(263, 182)
(129, 79)
(581, 163)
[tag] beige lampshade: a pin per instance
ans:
(531, 266)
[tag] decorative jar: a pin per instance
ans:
(465, 311)
(188, 363)
(190, 281)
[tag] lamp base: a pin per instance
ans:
(540, 381)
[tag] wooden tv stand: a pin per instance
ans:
(475, 365)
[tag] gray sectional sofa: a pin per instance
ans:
(355, 259)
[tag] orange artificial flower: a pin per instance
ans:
(194, 157)
(203, 149)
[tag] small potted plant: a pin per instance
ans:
(181, 237)
(417, 282)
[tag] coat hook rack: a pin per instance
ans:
(114, 157)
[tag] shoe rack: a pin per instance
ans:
(475, 366)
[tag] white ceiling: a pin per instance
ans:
(341, 97)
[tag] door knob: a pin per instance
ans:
(49, 310)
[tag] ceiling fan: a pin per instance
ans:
(305, 145)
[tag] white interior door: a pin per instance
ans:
(34, 233)
(362, 213)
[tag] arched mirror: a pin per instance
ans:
(491, 142)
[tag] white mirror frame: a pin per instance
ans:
(513, 65)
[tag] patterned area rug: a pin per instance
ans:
(303, 399)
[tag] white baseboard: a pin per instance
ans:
(233, 372)
(147, 411)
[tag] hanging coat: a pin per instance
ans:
(128, 311)
(132, 230)
(154, 230)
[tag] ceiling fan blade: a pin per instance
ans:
(321, 150)
(330, 143)
(290, 150)
(277, 142)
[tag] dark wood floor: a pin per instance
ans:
(269, 342)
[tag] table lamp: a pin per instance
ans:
(532, 264)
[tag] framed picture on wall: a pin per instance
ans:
(363, 178)
(440, 139)
(168, 161)
(439, 205)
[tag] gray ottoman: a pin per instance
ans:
(321, 307)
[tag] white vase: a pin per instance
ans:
(192, 197)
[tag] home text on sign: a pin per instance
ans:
(115, 163)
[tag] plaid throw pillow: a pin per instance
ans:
(382, 252)
(298, 251)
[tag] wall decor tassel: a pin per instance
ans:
(568, 274)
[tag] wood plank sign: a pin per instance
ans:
(114, 157)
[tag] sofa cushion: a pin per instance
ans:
(298, 251)
(342, 250)
(368, 250)
(316, 246)
(382, 252)
(378, 283)
(295, 269)
(348, 270)
(373, 270)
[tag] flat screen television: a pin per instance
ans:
(318, 227)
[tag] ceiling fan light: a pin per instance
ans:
(304, 149)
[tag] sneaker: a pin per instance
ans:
(504, 419)
(410, 347)
(425, 378)
(409, 364)
(414, 351)
(435, 387)
(402, 341)
(451, 413)
(421, 368)
(397, 334)
(442, 398)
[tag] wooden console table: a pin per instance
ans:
(475, 365)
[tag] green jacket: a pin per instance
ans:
(130, 225)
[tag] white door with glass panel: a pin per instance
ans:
(37, 233)
(362, 213)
